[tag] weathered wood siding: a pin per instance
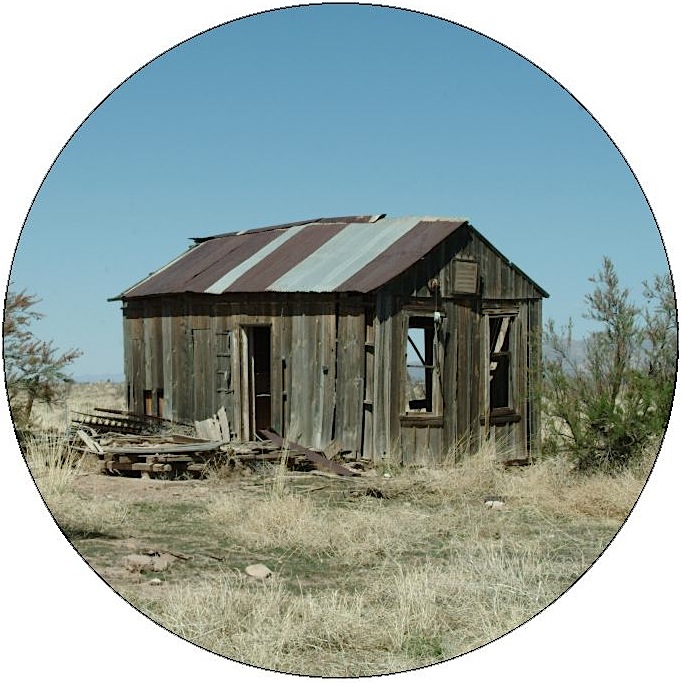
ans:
(195, 350)
(337, 361)
(467, 262)
(350, 368)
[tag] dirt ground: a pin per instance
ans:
(139, 489)
(159, 544)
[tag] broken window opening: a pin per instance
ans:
(500, 364)
(421, 366)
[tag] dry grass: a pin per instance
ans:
(366, 586)
(362, 584)
(55, 469)
(79, 397)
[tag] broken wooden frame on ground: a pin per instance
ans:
(174, 454)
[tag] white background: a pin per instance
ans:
(59, 60)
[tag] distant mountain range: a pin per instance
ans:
(110, 377)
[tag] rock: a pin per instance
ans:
(258, 571)
(150, 562)
(162, 561)
(138, 563)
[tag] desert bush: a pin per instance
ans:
(605, 408)
(34, 369)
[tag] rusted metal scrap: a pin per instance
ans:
(316, 458)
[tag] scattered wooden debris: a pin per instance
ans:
(214, 428)
(169, 453)
(120, 421)
(144, 454)
(90, 443)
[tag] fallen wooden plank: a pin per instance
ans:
(150, 467)
(224, 424)
(201, 429)
(149, 440)
(197, 447)
(316, 458)
(169, 458)
(116, 466)
(90, 442)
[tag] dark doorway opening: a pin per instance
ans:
(260, 366)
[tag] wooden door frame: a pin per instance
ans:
(247, 377)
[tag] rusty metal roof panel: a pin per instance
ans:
(349, 254)
(202, 265)
(276, 264)
(234, 273)
(399, 254)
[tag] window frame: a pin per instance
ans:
(501, 350)
(431, 363)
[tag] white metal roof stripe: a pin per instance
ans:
(231, 276)
(343, 255)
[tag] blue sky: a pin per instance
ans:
(331, 110)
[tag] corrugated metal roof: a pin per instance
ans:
(342, 256)
(349, 254)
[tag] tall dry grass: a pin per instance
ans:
(397, 617)
(55, 466)
(366, 586)
(362, 585)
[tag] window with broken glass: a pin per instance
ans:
(500, 365)
(422, 376)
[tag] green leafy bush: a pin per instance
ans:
(608, 399)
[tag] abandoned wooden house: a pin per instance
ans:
(390, 337)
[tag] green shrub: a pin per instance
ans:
(606, 404)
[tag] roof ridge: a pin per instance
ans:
(362, 218)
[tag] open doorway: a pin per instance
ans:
(259, 377)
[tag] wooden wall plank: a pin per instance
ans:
(350, 378)
(369, 385)
(327, 384)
